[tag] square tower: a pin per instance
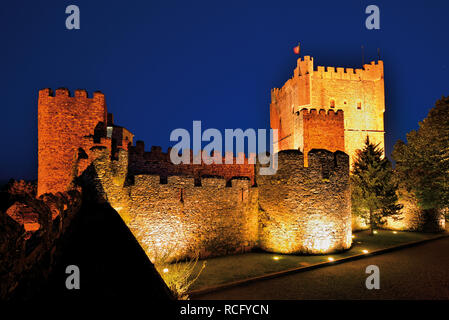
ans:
(359, 93)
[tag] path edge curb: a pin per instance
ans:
(199, 292)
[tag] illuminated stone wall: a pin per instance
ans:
(296, 210)
(410, 218)
(321, 130)
(211, 219)
(358, 92)
(68, 127)
(188, 209)
(64, 122)
(158, 162)
(413, 218)
(306, 209)
(177, 215)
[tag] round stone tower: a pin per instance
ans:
(306, 209)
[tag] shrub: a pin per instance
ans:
(179, 275)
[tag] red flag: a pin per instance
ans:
(296, 49)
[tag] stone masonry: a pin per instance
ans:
(359, 93)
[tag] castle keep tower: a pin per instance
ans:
(68, 127)
(356, 96)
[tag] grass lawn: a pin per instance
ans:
(231, 268)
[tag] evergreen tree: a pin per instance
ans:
(373, 188)
(423, 162)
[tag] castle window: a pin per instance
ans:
(359, 105)
(332, 103)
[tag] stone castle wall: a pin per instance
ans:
(306, 209)
(211, 219)
(64, 125)
(31, 235)
(68, 128)
(321, 130)
(206, 209)
(410, 218)
(159, 163)
(296, 210)
(413, 218)
(180, 215)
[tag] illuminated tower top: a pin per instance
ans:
(358, 93)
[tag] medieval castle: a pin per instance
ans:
(329, 109)
(323, 116)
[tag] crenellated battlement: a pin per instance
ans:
(329, 113)
(327, 163)
(158, 162)
(64, 92)
(359, 92)
(64, 122)
(305, 66)
(156, 153)
(306, 208)
(372, 71)
(186, 182)
(320, 163)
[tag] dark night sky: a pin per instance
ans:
(162, 64)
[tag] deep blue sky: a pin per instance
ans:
(162, 64)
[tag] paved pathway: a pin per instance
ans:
(420, 272)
